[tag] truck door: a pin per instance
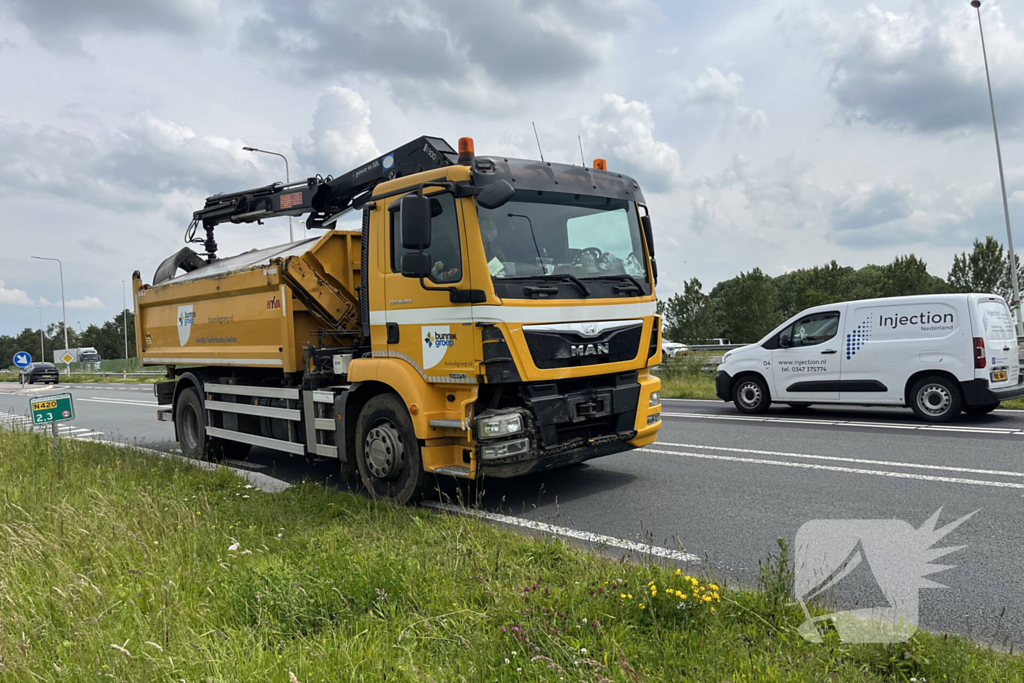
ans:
(806, 364)
(424, 327)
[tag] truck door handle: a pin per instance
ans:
(828, 351)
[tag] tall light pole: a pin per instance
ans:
(42, 345)
(287, 180)
(124, 307)
(63, 306)
(976, 4)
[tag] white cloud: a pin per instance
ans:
(14, 297)
(340, 138)
(920, 70)
(719, 92)
(86, 303)
(623, 131)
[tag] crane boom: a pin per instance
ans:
(323, 198)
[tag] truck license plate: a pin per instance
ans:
(999, 376)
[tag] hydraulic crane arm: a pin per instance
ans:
(322, 198)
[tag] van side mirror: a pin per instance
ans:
(414, 216)
(495, 195)
(648, 234)
(416, 265)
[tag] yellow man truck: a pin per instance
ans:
(493, 317)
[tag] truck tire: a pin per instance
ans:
(936, 399)
(190, 424)
(750, 395)
(388, 453)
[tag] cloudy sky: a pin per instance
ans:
(772, 133)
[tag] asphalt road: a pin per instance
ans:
(724, 487)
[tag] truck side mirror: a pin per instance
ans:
(495, 195)
(414, 214)
(416, 265)
(648, 234)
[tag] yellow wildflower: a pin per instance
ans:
(623, 595)
(630, 596)
(712, 586)
(643, 606)
(678, 572)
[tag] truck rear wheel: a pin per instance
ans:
(387, 451)
(190, 422)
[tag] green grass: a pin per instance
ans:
(120, 566)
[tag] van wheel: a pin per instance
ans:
(190, 424)
(936, 399)
(750, 394)
(981, 410)
(388, 453)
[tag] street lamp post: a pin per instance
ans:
(63, 306)
(124, 307)
(287, 180)
(976, 4)
(42, 345)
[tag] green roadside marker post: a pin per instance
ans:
(51, 410)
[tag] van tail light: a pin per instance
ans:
(979, 352)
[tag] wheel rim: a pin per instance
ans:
(190, 427)
(385, 452)
(749, 395)
(934, 399)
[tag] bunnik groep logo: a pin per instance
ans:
(185, 319)
(436, 341)
(884, 561)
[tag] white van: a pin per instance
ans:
(938, 354)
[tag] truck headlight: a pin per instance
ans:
(504, 450)
(655, 398)
(653, 419)
(496, 426)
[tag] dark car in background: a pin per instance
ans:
(39, 372)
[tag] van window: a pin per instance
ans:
(996, 320)
(811, 330)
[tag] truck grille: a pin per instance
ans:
(567, 350)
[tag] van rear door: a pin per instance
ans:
(996, 328)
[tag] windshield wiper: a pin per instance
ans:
(562, 278)
(625, 276)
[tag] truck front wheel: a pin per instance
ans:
(387, 451)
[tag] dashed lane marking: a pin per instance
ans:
(832, 468)
(859, 461)
(853, 423)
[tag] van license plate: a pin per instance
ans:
(999, 376)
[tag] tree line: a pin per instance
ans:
(107, 338)
(748, 306)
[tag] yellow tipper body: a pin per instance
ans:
(256, 309)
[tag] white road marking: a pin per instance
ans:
(610, 541)
(859, 461)
(848, 470)
(849, 423)
(120, 402)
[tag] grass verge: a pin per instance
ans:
(130, 567)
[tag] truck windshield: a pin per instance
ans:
(549, 233)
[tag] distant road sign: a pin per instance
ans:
(22, 359)
(67, 358)
(47, 409)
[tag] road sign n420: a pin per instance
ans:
(46, 409)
